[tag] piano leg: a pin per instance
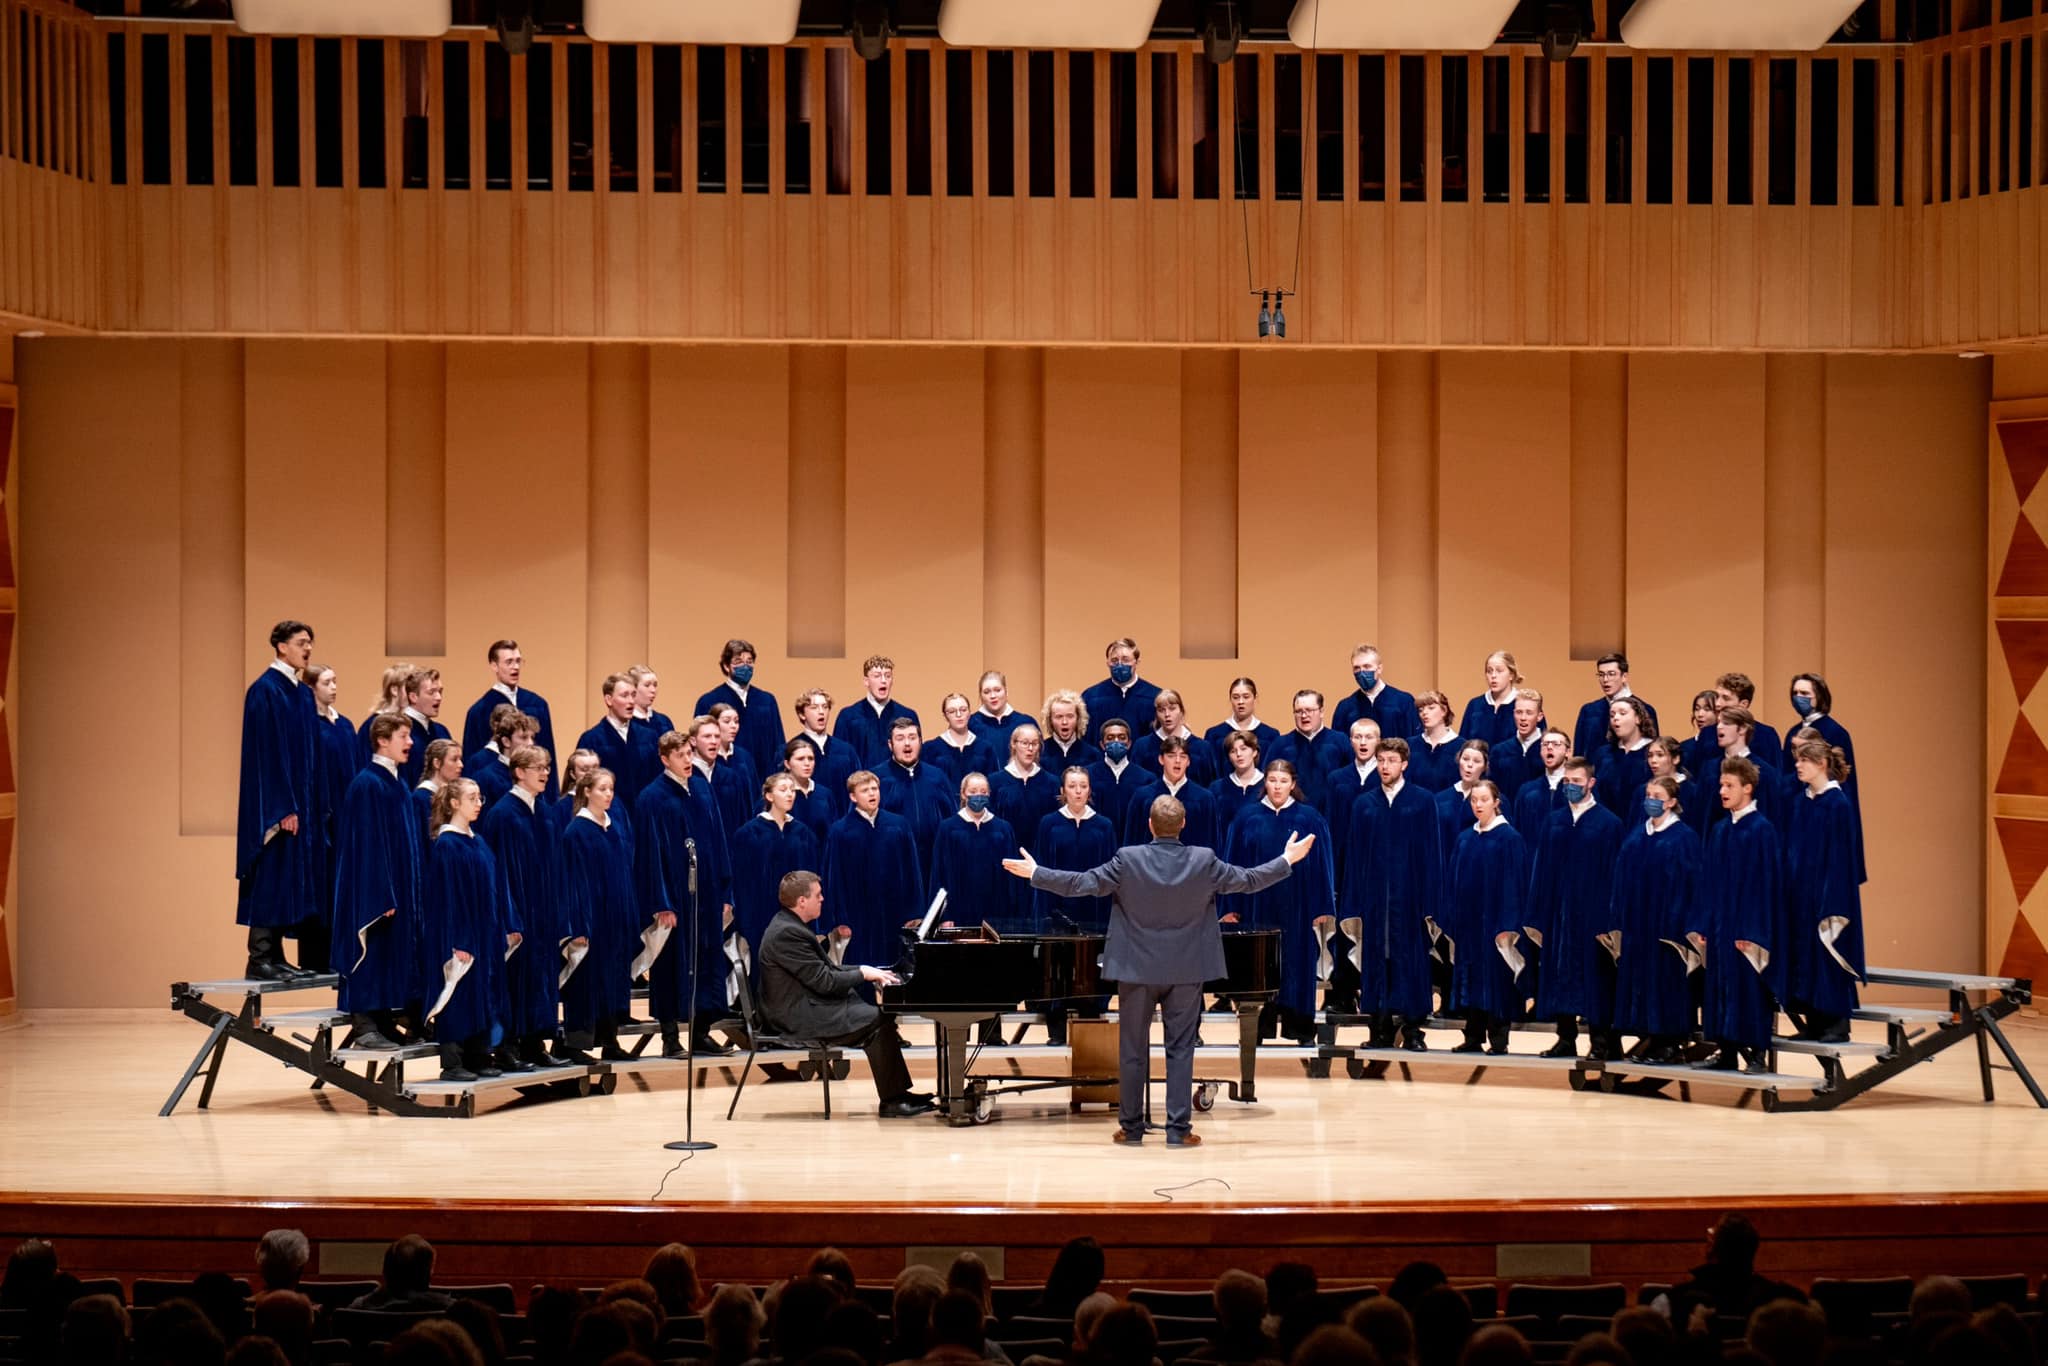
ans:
(1248, 1050)
(953, 1038)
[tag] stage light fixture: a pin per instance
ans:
(345, 18)
(1280, 314)
(870, 24)
(1563, 28)
(1222, 29)
(741, 23)
(1265, 314)
(1091, 25)
(513, 24)
(1734, 25)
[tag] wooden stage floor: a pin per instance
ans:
(1316, 1162)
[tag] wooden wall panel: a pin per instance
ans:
(211, 625)
(1408, 522)
(416, 489)
(1014, 504)
(616, 574)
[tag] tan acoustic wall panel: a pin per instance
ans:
(958, 508)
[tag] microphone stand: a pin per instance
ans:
(688, 1143)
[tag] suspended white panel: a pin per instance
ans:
(345, 18)
(1112, 25)
(749, 23)
(1398, 25)
(1734, 25)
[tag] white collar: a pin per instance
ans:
(491, 746)
(330, 714)
(1742, 753)
(1554, 776)
(964, 814)
(769, 816)
(642, 714)
(1830, 786)
(1309, 738)
(1016, 772)
(1739, 812)
(1184, 733)
(972, 739)
(1529, 743)
(697, 762)
(1005, 713)
(869, 817)
(1394, 791)
(1496, 823)
(1172, 789)
(601, 822)
(1662, 823)
(430, 784)
(388, 765)
(287, 670)
(1367, 772)
(1087, 813)
(1267, 802)
(1252, 724)
(1116, 766)
(523, 795)
(1623, 693)
(416, 714)
(1066, 746)
(878, 707)
(1641, 741)
(1377, 689)
(670, 774)
(1460, 788)
(1507, 701)
(806, 788)
(453, 829)
(1449, 735)
(737, 688)
(624, 728)
(511, 693)
(726, 753)
(909, 768)
(816, 737)
(1581, 807)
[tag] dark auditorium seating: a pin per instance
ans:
(498, 1297)
(1022, 1327)
(364, 1326)
(1190, 1304)
(333, 1295)
(1849, 1304)
(151, 1293)
(1012, 1300)
(1339, 1298)
(1986, 1291)
(1547, 1303)
(1484, 1298)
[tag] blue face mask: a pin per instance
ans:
(1803, 704)
(977, 802)
(1115, 750)
(1367, 678)
(1122, 674)
(1573, 792)
(1653, 807)
(743, 674)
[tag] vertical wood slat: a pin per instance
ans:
(1226, 210)
(1887, 133)
(1722, 136)
(1681, 130)
(643, 178)
(558, 181)
(1802, 152)
(1518, 130)
(601, 186)
(1845, 135)
(778, 188)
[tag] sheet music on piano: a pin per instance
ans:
(931, 915)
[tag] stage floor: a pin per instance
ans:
(79, 1093)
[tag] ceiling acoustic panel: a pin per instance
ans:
(1397, 25)
(747, 23)
(1107, 25)
(345, 18)
(1733, 25)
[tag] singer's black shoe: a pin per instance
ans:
(565, 1056)
(611, 1052)
(1468, 1046)
(1563, 1048)
(709, 1047)
(508, 1060)
(457, 1073)
(1415, 1043)
(370, 1039)
(265, 970)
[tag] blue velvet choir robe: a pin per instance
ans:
(489, 771)
(737, 789)
(818, 808)
(1571, 901)
(1059, 758)
(340, 760)
(1488, 721)
(1695, 807)
(422, 798)
(1348, 783)
(476, 724)
(1202, 766)
(1824, 948)
(632, 758)
(967, 861)
(1134, 704)
(1219, 734)
(1232, 797)
(466, 906)
(1291, 905)
(1620, 774)
(1534, 803)
(1742, 896)
(278, 879)
(377, 869)
(1512, 764)
(1484, 897)
(598, 888)
(1656, 879)
(921, 796)
(424, 733)
(1836, 734)
(1453, 816)
(1024, 802)
(866, 730)
(1434, 767)
(761, 733)
(668, 813)
(763, 852)
(996, 729)
(1194, 799)
(837, 761)
(528, 849)
(872, 884)
(1693, 754)
(1394, 872)
(1774, 794)
(1313, 758)
(1110, 792)
(1393, 709)
(1073, 844)
(1589, 735)
(957, 761)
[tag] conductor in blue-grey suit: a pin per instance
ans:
(1164, 943)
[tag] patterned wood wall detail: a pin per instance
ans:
(7, 785)
(2016, 717)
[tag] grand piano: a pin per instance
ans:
(962, 979)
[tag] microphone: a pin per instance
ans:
(690, 848)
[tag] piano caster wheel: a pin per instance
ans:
(1355, 1068)
(1317, 1067)
(842, 1068)
(1205, 1098)
(984, 1106)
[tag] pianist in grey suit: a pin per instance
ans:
(1164, 943)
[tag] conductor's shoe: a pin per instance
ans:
(1125, 1136)
(903, 1107)
(1190, 1139)
(924, 1098)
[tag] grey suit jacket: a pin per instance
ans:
(804, 994)
(1162, 923)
